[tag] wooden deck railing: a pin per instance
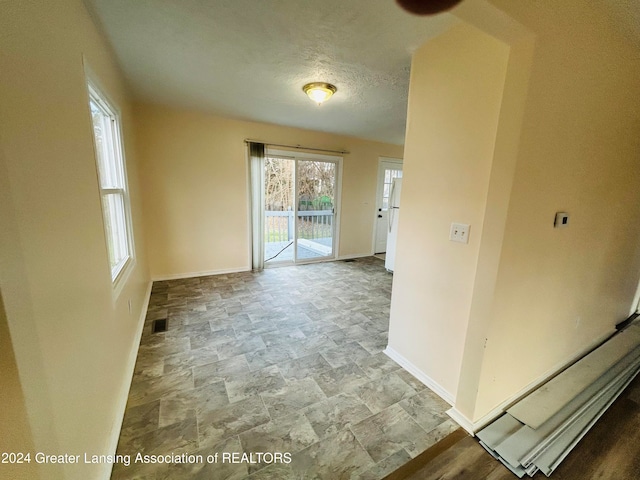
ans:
(312, 224)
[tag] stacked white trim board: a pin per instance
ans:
(540, 430)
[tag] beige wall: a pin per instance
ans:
(71, 339)
(194, 180)
(454, 103)
(16, 432)
(560, 290)
(529, 297)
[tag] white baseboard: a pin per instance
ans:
(420, 375)
(359, 255)
(463, 421)
(473, 427)
(126, 384)
(320, 260)
(178, 276)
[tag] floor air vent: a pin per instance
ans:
(159, 325)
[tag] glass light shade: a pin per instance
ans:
(319, 91)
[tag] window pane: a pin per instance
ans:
(116, 227)
(111, 175)
(106, 142)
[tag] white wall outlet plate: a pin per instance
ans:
(562, 220)
(459, 232)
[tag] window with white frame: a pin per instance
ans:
(112, 180)
(389, 175)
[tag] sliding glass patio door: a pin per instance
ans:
(279, 209)
(300, 209)
(316, 183)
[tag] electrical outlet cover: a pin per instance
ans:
(562, 220)
(459, 232)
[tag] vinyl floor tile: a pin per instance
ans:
(272, 355)
(288, 359)
(383, 392)
(220, 370)
(286, 434)
(336, 414)
(198, 401)
(378, 365)
(387, 432)
(292, 397)
(336, 457)
(342, 379)
(251, 384)
(304, 367)
(217, 425)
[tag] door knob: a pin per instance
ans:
(379, 216)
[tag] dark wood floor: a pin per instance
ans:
(610, 451)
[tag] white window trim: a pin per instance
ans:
(119, 274)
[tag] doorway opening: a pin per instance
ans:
(300, 207)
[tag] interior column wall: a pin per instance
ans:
(455, 97)
(564, 142)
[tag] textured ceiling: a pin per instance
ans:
(249, 59)
(626, 14)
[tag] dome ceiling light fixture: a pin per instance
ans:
(319, 91)
(427, 7)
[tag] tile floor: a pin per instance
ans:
(288, 360)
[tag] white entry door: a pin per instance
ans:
(388, 169)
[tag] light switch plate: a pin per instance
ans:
(459, 232)
(562, 220)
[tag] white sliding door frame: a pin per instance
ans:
(335, 159)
